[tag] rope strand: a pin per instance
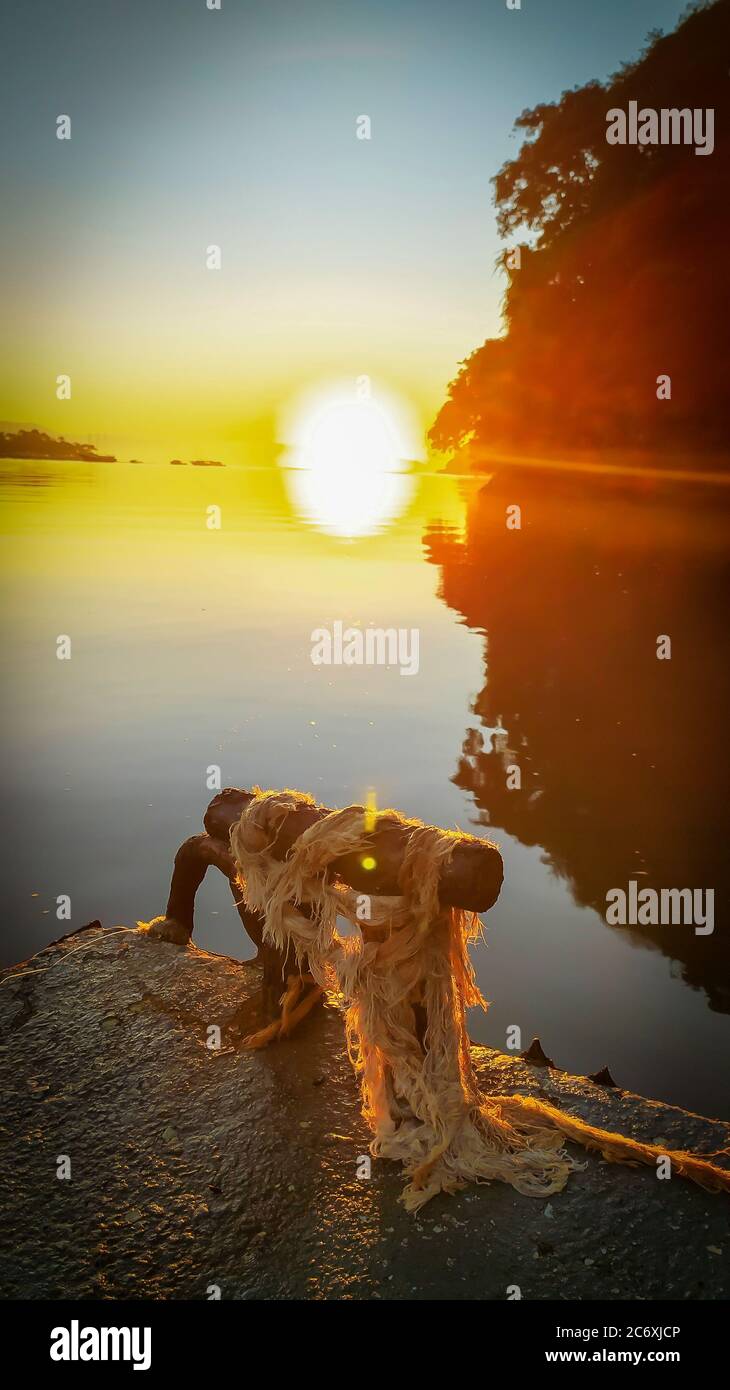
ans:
(420, 1096)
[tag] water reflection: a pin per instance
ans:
(620, 754)
(192, 647)
(349, 501)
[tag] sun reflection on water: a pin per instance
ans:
(348, 471)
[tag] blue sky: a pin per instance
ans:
(237, 127)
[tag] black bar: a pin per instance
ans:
(201, 1338)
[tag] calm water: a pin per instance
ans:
(191, 647)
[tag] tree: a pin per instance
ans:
(623, 273)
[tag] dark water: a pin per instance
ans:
(537, 648)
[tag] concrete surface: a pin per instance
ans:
(193, 1168)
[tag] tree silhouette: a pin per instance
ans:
(623, 274)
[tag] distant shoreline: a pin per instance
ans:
(32, 445)
(59, 458)
(27, 445)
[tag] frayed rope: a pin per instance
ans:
(420, 1094)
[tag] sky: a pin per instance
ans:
(341, 257)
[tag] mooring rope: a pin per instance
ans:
(420, 1094)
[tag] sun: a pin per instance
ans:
(348, 471)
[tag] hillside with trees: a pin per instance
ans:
(35, 444)
(623, 271)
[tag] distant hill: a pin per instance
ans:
(34, 444)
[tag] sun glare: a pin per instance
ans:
(348, 469)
